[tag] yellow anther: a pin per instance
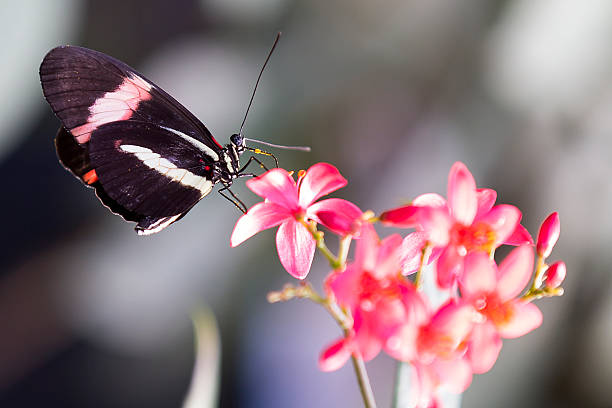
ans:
(368, 215)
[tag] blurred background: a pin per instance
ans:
(392, 93)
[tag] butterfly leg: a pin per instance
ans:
(233, 198)
(251, 159)
(259, 151)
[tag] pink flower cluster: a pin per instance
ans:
(454, 238)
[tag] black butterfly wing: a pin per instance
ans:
(148, 158)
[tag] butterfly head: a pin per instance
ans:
(238, 142)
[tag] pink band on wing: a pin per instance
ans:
(113, 106)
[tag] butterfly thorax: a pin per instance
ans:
(228, 167)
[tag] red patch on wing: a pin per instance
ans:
(90, 177)
(119, 104)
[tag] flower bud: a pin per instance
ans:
(555, 274)
(549, 234)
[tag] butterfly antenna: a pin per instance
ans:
(300, 148)
(258, 78)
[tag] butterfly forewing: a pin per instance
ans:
(146, 155)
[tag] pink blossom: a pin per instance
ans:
(555, 275)
(467, 222)
(378, 297)
(436, 345)
(428, 380)
(288, 204)
(548, 235)
(494, 294)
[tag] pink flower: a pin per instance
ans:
(454, 376)
(548, 235)
(467, 222)
(555, 275)
(378, 297)
(493, 292)
(287, 204)
(435, 346)
(390, 314)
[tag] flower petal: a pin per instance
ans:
(412, 252)
(295, 247)
(259, 217)
(335, 355)
(437, 222)
(484, 347)
(388, 260)
(401, 341)
(486, 199)
(417, 312)
(448, 267)
(368, 344)
(479, 275)
(462, 194)
(320, 179)
(503, 219)
(340, 216)
(366, 253)
(453, 321)
(455, 375)
(520, 236)
(401, 344)
(424, 382)
(525, 318)
(345, 286)
(514, 272)
(429, 200)
(401, 217)
(276, 186)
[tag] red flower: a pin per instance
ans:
(378, 297)
(493, 292)
(435, 345)
(467, 222)
(287, 203)
(390, 314)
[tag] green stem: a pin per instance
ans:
(537, 279)
(425, 254)
(344, 319)
(364, 382)
(541, 293)
(345, 245)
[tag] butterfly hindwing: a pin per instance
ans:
(75, 158)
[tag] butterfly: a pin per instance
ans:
(148, 158)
